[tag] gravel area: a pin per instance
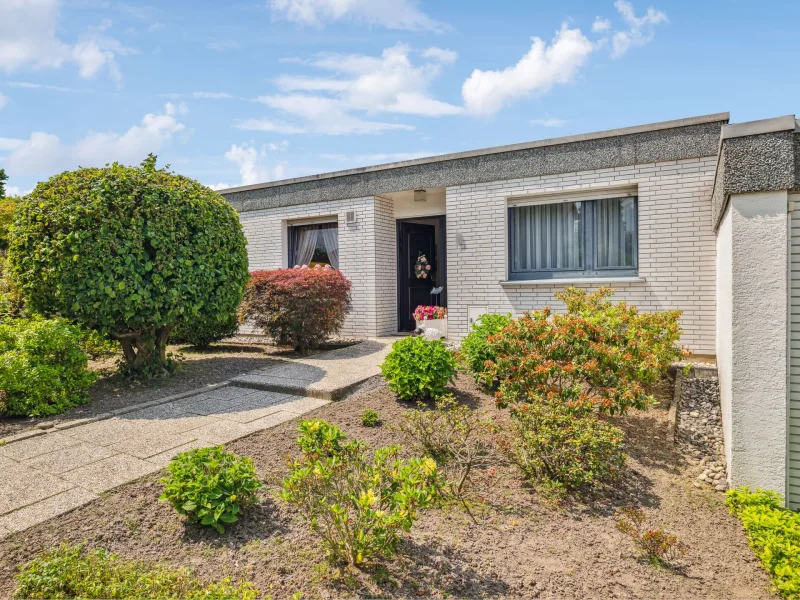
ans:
(523, 546)
(220, 362)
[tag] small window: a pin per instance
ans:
(592, 238)
(313, 245)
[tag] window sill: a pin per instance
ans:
(571, 281)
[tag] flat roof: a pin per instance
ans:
(712, 118)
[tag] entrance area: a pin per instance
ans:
(421, 267)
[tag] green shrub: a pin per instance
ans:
(359, 507)
(418, 369)
(370, 418)
(476, 348)
(562, 448)
(43, 370)
(71, 572)
(210, 486)
(774, 534)
(656, 544)
(298, 307)
(461, 442)
(201, 332)
(96, 345)
(598, 353)
(319, 439)
(130, 252)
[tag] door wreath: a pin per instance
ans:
(422, 268)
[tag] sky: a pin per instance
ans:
(242, 92)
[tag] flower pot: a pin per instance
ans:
(440, 324)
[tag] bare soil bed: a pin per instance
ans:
(524, 545)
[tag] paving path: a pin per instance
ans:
(52, 472)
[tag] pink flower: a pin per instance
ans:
(428, 268)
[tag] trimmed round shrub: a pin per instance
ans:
(298, 307)
(210, 486)
(202, 332)
(130, 252)
(43, 370)
(563, 448)
(419, 369)
(476, 349)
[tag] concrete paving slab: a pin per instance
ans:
(162, 460)
(70, 458)
(231, 393)
(147, 446)
(21, 519)
(303, 405)
(272, 420)
(328, 375)
(210, 405)
(36, 446)
(23, 486)
(105, 432)
(223, 431)
(109, 473)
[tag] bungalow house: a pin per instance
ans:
(695, 214)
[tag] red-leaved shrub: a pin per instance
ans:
(298, 307)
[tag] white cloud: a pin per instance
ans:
(393, 14)
(641, 30)
(442, 55)
(27, 85)
(485, 92)
(13, 190)
(3, 101)
(44, 154)
(218, 186)
(355, 83)
(28, 39)
(548, 122)
(223, 45)
(601, 25)
(251, 167)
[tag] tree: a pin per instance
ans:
(3, 179)
(129, 252)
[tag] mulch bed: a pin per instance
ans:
(524, 544)
(218, 363)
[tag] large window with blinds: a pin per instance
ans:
(589, 238)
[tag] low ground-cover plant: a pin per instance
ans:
(370, 418)
(460, 440)
(358, 506)
(419, 369)
(43, 370)
(563, 448)
(656, 544)
(476, 349)
(319, 439)
(598, 353)
(210, 486)
(298, 307)
(70, 572)
(774, 534)
(201, 331)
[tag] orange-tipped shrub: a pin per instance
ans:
(298, 307)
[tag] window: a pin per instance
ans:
(590, 238)
(314, 245)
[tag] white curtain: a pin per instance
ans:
(548, 237)
(305, 244)
(330, 237)
(616, 232)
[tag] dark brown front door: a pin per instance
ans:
(415, 239)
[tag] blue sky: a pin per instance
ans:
(241, 92)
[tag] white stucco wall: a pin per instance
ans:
(756, 419)
(724, 324)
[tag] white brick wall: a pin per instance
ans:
(366, 255)
(676, 245)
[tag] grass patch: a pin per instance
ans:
(72, 572)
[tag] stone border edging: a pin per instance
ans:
(18, 437)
